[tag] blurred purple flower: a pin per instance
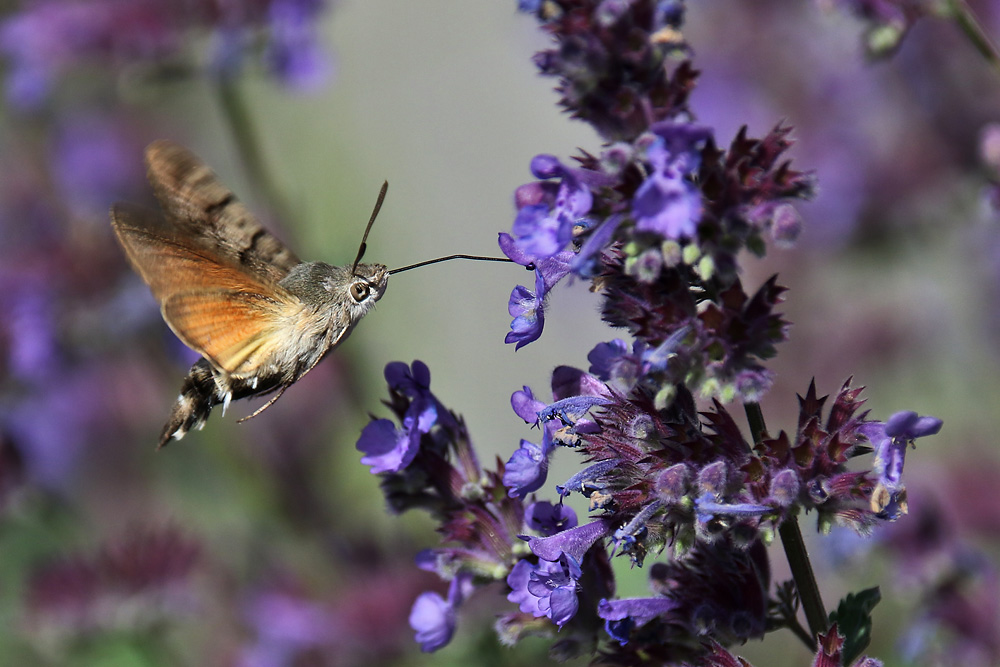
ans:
(44, 40)
(94, 162)
(294, 52)
(434, 618)
(148, 570)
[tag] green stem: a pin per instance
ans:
(234, 109)
(802, 573)
(960, 11)
(795, 547)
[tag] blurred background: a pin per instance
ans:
(267, 543)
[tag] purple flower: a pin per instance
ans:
(548, 519)
(581, 480)
(285, 623)
(434, 618)
(528, 310)
(413, 381)
(387, 448)
(390, 449)
(526, 406)
(621, 616)
(94, 162)
(527, 468)
(542, 231)
(707, 508)
(890, 441)
(569, 410)
(294, 53)
(546, 589)
(585, 263)
(668, 202)
(527, 307)
(574, 542)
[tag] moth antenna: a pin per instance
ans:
(371, 221)
(265, 406)
(478, 258)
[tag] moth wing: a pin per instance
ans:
(223, 312)
(234, 330)
(202, 207)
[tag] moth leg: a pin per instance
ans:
(265, 406)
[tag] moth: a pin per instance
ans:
(232, 292)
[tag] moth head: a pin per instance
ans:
(366, 286)
(337, 288)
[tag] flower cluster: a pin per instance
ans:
(47, 39)
(656, 223)
(657, 219)
(138, 580)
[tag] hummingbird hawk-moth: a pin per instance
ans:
(232, 292)
(259, 317)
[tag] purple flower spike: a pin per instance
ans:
(574, 542)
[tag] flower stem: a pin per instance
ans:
(962, 14)
(234, 110)
(795, 548)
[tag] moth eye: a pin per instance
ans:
(360, 291)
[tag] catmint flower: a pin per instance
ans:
(554, 587)
(668, 203)
(528, 468)
(527, 307)
(548, 519)
(434, 617)
(387, 448)
(528, 310)
(546, 588)
(543, 230)
(890, 441)
(621, 616)
(390, 449)
(573, 542)
(293, 51)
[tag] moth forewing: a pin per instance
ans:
(201, 207)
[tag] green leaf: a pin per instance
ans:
(854, 621)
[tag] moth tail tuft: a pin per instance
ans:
(193, 405)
